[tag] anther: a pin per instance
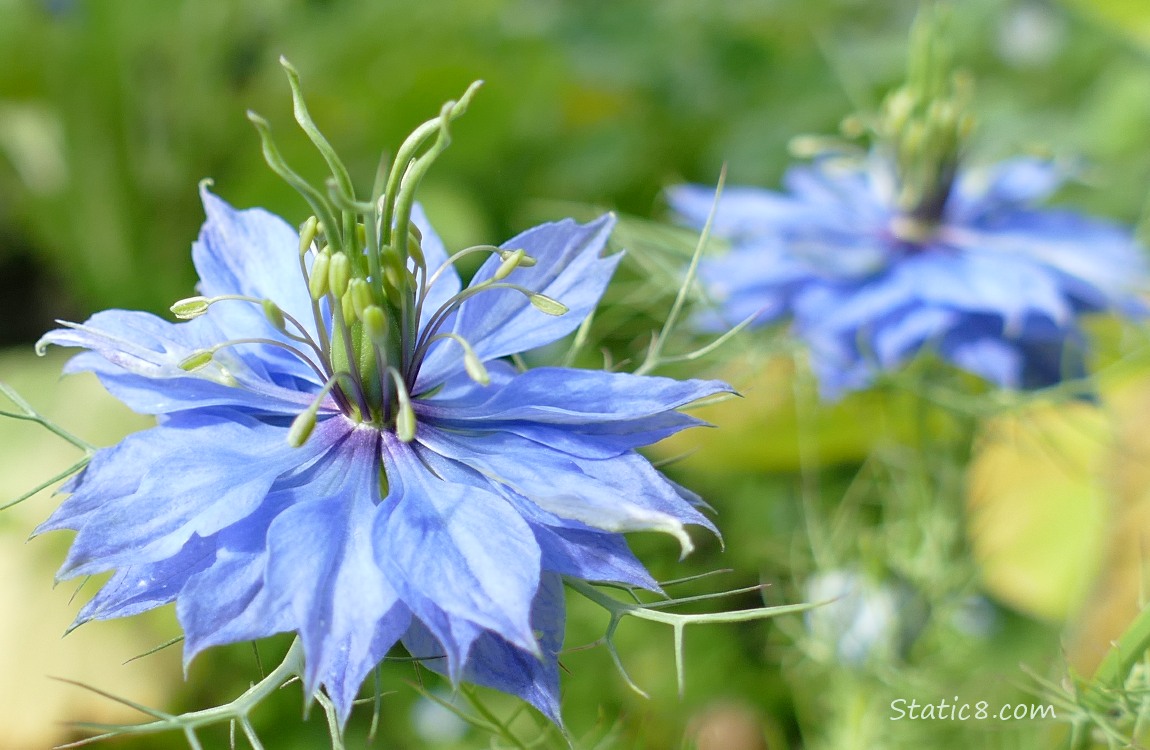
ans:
(339, 273)
(509, 264)
(307, 234)
(545, 304)
(318, 283)
(274, 315)
(197, 360)
(192, 307)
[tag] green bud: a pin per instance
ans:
(274, 315)
(302, 426)
(509, 264)
(197, 360)
(360, 235)
(192, 307)
(339, 273)
(413, 230)
(307, 234)
(318, 283)
(545, 304)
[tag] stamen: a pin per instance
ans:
(197, 360)
(318, 284)
(359, 290)
(304, 422)
(274, 315)
(405, 418)
(471, 362)
(339, 273)
(509, 264)
(545, 304)
(192, 307)
(193, 359)
(541, 302)
(307, 234)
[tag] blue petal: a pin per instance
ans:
(499, 322)
(588, 413)
(592, 556)
(138, 588)
(228, 603)
(251, 253)
(113, 472)
(223, 466)
(137, 356)
(981, 194)
(321, 566)
(575, 398)
(742, 211)
(447, 285)
(495, 663)
(618, 494)
(460, 557)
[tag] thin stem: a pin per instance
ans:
(30, 414)
(654, 354)
(240, 708)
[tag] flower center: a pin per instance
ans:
(923, 128)
(369, 279)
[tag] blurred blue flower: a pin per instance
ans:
(437, 500)
(987, 281)
(862, 620)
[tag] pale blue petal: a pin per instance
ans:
(321, 566)
(251, 253)
(142, 356)
(498, 322)
(447, 285)
(574, 398)
(591, 555)
(495, 663)
(457, 555)
(618, 494)
(225, 466)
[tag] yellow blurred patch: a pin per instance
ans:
(1129, 18)
(33, 707)
(1038, 506)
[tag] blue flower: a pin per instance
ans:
(300, 480)
(991, 284)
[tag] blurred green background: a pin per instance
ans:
(111, 111)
